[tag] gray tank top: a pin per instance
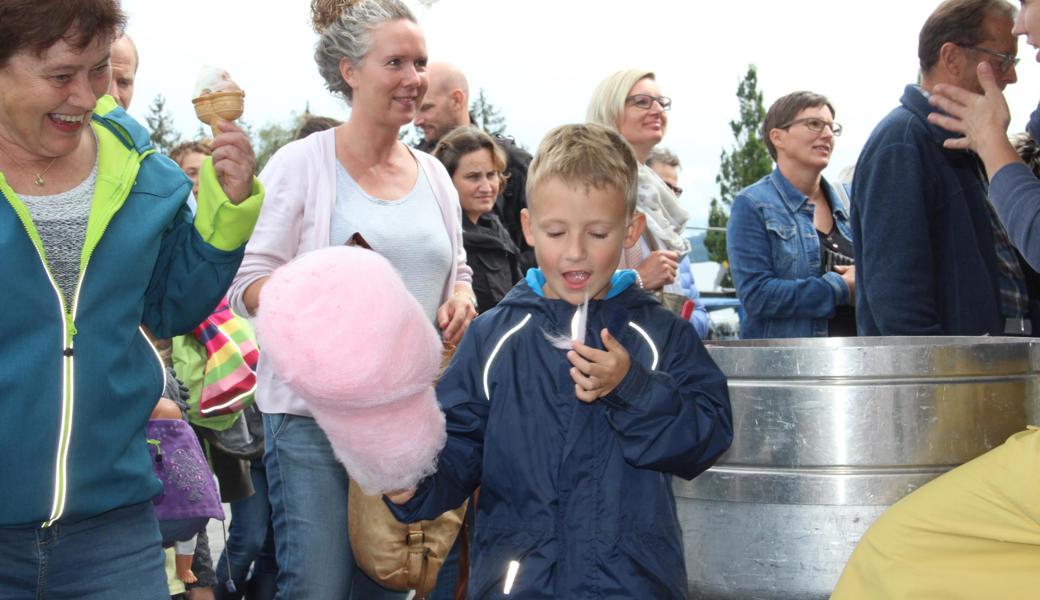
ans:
(61, 221)
(409, 232)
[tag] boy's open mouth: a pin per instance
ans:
(576, 279)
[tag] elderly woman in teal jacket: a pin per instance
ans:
(97, 240)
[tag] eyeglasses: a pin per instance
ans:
(815, 125)
(644, 101)
(675, 189)
(1006, 60)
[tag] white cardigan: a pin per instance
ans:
(300, 184)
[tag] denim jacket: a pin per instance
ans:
(774, 254)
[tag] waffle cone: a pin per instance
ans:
(225, 105)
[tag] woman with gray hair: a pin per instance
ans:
(328, 189)
(631, 103)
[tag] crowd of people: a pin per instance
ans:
(133, 277)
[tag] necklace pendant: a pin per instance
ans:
(38, 180)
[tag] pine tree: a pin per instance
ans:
(486, 116)
(272, 136)
(745, 163)
(164, 136)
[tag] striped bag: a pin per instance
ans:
(231, 355)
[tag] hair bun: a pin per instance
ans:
(327, 12)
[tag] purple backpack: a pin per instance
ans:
(189, 498)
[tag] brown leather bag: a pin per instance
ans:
(396, 555)
(400, 556)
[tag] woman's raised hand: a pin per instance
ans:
(234, 161)
(659, 269)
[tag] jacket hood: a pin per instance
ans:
(623, 292)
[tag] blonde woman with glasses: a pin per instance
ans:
(631, 103)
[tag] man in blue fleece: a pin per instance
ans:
(983, 119)
(932, 256)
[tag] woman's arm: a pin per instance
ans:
(276, 238)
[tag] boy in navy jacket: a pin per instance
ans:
(574, 448)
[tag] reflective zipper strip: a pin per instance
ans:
(498, 346)
(68, 404)
(653, 348)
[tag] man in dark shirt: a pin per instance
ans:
(446, 107)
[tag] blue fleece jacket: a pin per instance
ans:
(925, 257)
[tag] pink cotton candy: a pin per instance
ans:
(340, 327)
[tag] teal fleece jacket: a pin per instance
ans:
(77, 383)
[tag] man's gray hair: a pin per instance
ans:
(663, 156)
(349, 36)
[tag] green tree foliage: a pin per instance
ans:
(272, 136)
(745, 163)
(164, 136)
(486, 116)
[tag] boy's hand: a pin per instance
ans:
(401, 496)
(597, 372)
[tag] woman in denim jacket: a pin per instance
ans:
(789, 243)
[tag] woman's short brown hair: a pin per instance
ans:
(36, 25)
(463, 140)
(786, 109)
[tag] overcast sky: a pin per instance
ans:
(539, 60)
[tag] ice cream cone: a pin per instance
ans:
(225, 105)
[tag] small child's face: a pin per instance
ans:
(578, 233)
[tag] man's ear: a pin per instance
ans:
(458, 100)
(635, 229)
(951, 59)
(525, 225)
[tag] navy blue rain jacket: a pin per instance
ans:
(580, 495)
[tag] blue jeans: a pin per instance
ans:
(307, 488)
(112, 556)
(250, 522)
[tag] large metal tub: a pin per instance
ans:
(827, 434)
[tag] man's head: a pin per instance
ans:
(314, 124)
(124, 70)
(960, 34)
(446, 104)
(666, 165)
(580, 215)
